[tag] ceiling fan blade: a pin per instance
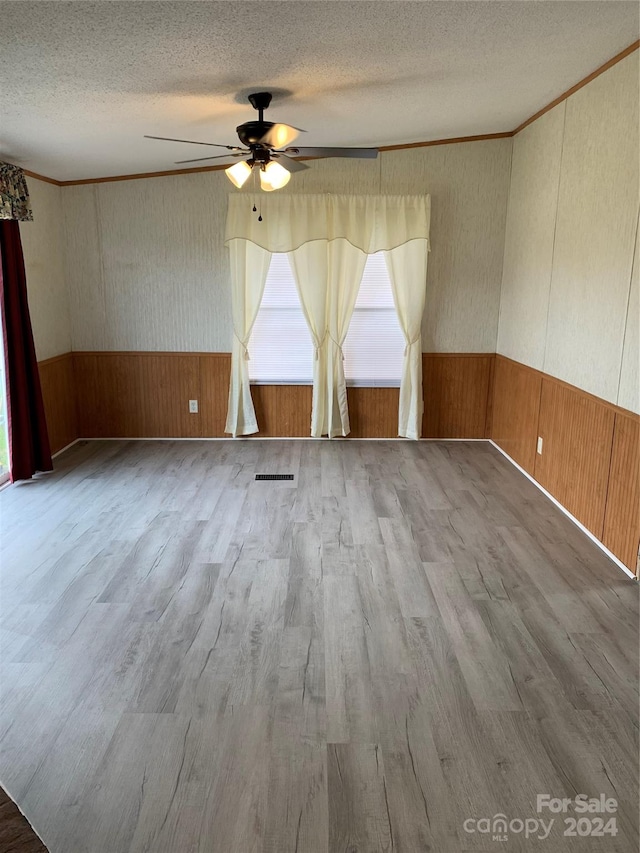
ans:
(217, 157)
(360, 153)
(280, 135)
(289, 164)
(193, 142)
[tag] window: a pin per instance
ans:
(281, 348)
(374, 346)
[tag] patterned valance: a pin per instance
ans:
(14, 195)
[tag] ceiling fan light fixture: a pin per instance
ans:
(267, 145)
(265, 185)
(274, 177)
(238, 173)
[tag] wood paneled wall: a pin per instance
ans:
(282, 410)
(590, 455)
(516, 403)
(577, 435)
(456, 391)
(146, 394)
(622, 514)
(215, 368)
(58, 394)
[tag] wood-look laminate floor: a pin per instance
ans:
(406, 636)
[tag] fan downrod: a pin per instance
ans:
(260, 101)
(252, 132)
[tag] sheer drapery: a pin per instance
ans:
(346, 265)
(407, 267)
(327, 238)
(328, 276)
(249, 268)
(310, 264)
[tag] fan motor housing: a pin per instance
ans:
(251, 132)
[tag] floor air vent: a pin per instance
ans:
(274, 476)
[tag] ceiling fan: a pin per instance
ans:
(266, 147)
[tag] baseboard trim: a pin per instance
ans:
(256, 437)
(553, 500)
(62, 450)
(449, 439)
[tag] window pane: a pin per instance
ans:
(281, 350)
(374, 346)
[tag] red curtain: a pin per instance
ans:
(29, 449)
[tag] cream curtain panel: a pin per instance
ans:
(327, 238)
(328, 275)
(310, 265)
(346, 265)
(407, 268)
(249, 269)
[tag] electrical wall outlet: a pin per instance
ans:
(539, 445)
(193, 407)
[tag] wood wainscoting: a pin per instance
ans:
(516, 404)
(456, 394)
(282, 410)
(577, 435)
(146, 394)
(590, 457)
(59, 397)
(285, 410)
(622, 512)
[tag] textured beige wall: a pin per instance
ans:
(84, 268)
(528, 252)
(595, 232)
(469, 184)
(148, 269)
(43, 248)
(629, 391)
(587, 289)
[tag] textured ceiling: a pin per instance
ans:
(80, 83)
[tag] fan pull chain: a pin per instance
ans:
(254, 208)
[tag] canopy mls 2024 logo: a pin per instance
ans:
(593, 819)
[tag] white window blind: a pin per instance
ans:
(374, 346)
(281, 349)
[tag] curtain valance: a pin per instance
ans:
(371, 223)
(14, 195)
